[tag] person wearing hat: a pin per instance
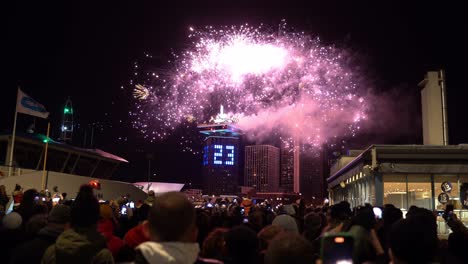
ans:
(287, 222)
(58, 220)
(11, 234)
(81, 243)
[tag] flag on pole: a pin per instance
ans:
(29, 106)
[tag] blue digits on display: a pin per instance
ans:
(218, 155)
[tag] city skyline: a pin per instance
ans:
(90, 59)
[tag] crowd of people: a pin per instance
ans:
(170, 229)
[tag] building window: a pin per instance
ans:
(395, 190)
(420, 190)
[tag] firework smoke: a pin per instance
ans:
(283, 82)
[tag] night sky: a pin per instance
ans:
(86, 52)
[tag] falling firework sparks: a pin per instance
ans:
(141, 92)
(284, 83)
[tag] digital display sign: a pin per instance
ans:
(221, 155)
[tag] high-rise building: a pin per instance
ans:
(312, 182)
(262, 168)
(220, 156)
(434, 109)
(287, 170)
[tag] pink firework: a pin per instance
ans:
(282, 82)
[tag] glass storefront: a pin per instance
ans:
(395, 190)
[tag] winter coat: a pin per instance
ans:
(36, 247)
(78, 246)
(167, 253)
(135, 236)
(114, 244)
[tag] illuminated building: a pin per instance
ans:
(66, 129)
(262, 168)
(287, 171)
(220, 155)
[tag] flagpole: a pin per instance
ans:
(45, 157)
(10, 163)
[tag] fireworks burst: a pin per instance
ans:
(282, 82)
(140, 92)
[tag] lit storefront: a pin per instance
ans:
(405, 175)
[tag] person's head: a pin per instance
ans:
(411, 242)
(312, 226)
(34, 224)
(60, 216)
(241, 244)
(172, 219)
(203, 226)
(213, 246)
(2, 190)
(29, 196)
(256, 219)
(12, 221)
(339, 212)
(85, 209)
(425, 218)
(17, 187)
(267, 234)
(106, 212)
(364, 217)
(391, 215)
(64, 195)
(287, 222)
(289, 248)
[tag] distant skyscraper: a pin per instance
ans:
(287, 170)
(220, 155)
(66, 129)
(262, 168)
(312, 182)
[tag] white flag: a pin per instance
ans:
(29, 106)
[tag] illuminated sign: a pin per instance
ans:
(222, 155)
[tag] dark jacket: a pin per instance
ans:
(35, 248)
(79, 246)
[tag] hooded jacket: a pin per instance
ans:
(167, 252)
(78, 246)
(36, 247)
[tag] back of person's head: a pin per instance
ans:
(391, 215)
(364, 217)
(289, 248)
(60, 214)
(267, 234)
(340, 212)
(85, 210)
(203, 226)
(213, 246)
(312, 226)
(35, 223)
(28, 197)
(172, 218)
(241, 244)
(106, 212)
(17, 187)
(411, 242)
(287, 222)
(424, 217)
(12, 221)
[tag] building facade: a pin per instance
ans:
(405, 175)
(220, 165)
(312, 182)
(262, 168)
(287, 171)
